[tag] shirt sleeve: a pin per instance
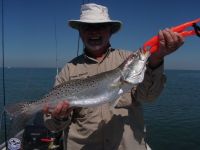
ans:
(63, 76)
(152, 86)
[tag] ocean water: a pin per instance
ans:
(172, 120)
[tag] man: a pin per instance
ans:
(100, 127)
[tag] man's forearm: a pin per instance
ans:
(152, 85)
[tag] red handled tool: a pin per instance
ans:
(153, 44)
(47, 140)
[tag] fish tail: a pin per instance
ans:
(18, 124)
(19, 114)
(17, 109)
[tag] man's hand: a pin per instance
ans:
(61, 111)
(169, 42)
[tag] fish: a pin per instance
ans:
(92, 91)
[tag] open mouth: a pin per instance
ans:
(95, 40)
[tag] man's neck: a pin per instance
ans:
(97, 54)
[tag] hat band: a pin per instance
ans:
(94, 17)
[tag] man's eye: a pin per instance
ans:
(94, 27)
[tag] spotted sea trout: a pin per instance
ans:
(92, 91)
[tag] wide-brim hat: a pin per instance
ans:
(95, 14)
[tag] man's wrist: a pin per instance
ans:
(153, 64)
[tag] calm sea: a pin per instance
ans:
(172, 121)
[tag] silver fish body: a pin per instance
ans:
(101, 88)
(92, 91)
(87, 92)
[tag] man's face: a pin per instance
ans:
(95, 36)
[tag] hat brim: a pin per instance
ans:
(116, 25)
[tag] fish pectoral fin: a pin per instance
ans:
(114, 103)
(116, 83)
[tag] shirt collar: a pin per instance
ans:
(95, 60)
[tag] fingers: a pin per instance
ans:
(62, 110)
(169, 41)
(180, 38)
(170, 38)
(161, 39)
(46, 109)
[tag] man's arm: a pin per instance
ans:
(155, 79)
(152, 85)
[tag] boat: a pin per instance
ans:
(35, 136)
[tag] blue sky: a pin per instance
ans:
(30, 29)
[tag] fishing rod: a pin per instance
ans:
(56, 42)
(3, 71)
